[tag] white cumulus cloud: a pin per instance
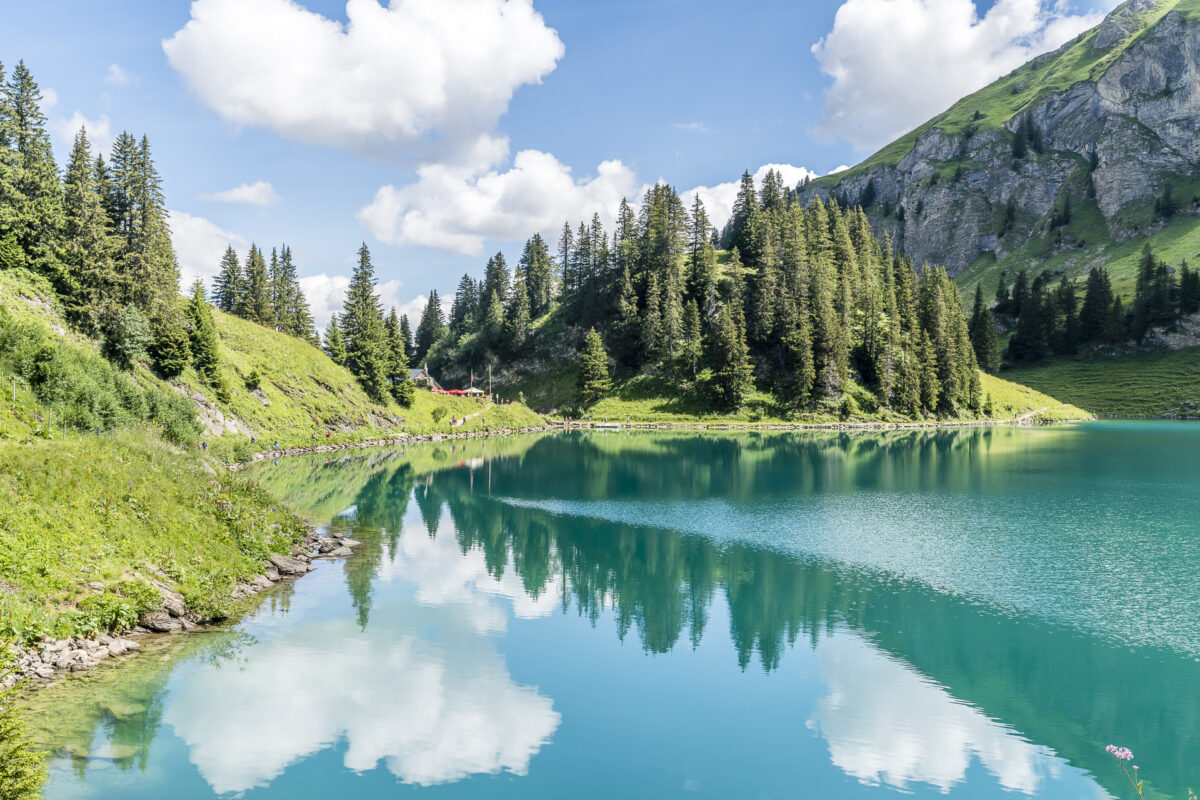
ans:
(897, 63)
(117, 76)
(423, 74)
(457, 209)
(259, 193)
(199, 244)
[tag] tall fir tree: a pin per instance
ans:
(729, 359)
(34, 201)
(229, 286)
(335, 344)
(401, 386)
(429, 329)
(983, 335)
(367, 355)
(539, 275)
(204, 341)
(594, 381)
(517, 327)
(87, 242)
(256, 302)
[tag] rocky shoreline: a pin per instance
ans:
(52, 658)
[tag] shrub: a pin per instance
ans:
(22, 769)
(128, 337)
(849, 407)
(253, 381)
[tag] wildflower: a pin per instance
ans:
(1120, 753)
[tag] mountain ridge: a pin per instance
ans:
(1066, 157)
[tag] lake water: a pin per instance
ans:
(973, 613)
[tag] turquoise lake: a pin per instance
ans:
(969, 613)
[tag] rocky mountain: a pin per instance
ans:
(1070, 160)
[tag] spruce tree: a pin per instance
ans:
(87, 243)
(137, 208)
(729, 359)
(256, 302)
(464, 312)
(799, 368)
(429, 329)
(204, 342)
(517, 328)
(627, 327)
(35, 202)
(335, 344)
(1095, 318)
(983, 335)
(229, 286)
(402, 388)
(362, 324)
(594, 381)
(539, 275)
(170, 349)
(406, 339)
(692, 349)
(651, 328)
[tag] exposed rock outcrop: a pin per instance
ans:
(1119, 141)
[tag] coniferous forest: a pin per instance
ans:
(800, 302)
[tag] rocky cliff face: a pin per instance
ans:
(1117, 140)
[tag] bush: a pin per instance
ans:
(22, 769)
(439, 414)
(849, 407)
(128, 337)
(253, 381)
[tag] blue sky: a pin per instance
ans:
(439, 131)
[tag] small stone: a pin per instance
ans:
(262, 582)
(44, 672)
(117, 648)
(342, 552)
(96, 586)
(349, 543)
(131, 645)
(271, 574)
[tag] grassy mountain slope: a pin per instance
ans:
(1157, 384)
(302, 392)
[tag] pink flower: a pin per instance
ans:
(1120, 753)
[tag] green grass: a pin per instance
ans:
(302, 392)
(1158, 384)
(650, 400)
(87, 509)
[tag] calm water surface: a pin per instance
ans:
(973, 613)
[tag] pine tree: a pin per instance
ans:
(402, 388)
(517, 328)
(229, 286)
(367, 357)
(335, 344)
(1095, 318)
(137, 208)
(539, 275)
(204, 347)
(170, 349)
(729, 359)
(983, 335)
(87, 243)
(464, 312)
(692, 348)
(429, 329)
(496, 279)
(1189, 290)
(406, 339)
(34, 214)
(627, 327)
(594, 382)
(256, 302)
(651, 328)
(798, 356)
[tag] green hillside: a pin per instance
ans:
(1155, 384)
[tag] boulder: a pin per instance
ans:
(288, 566)
(160, 622)
(341, 552)
(350, 543)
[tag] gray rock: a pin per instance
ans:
(288, 566)
(262, 582)
(349, 543)
(341, 552)
(272, 574)
(160, 622)
(45, 672)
